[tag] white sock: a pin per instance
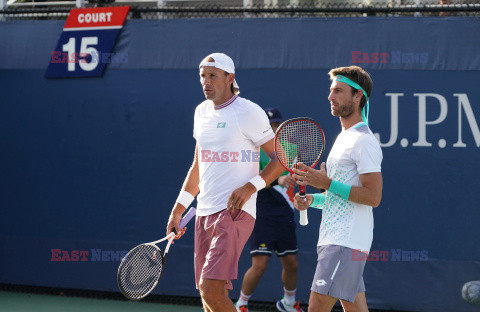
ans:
(289, 296)
(243, 300)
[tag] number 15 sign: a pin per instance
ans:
(87, 41)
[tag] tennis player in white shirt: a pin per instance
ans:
(229, 131)
(353, 180)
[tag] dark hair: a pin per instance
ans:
(358, 75)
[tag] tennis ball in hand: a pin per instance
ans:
(471, 292)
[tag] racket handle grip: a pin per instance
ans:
(303, 213)
(187, 217)
(303, 217)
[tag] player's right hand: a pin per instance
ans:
(240, 196)
(302, 204)
(180, 233)
(286, 181)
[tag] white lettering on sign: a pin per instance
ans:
(88, 18)
(436, 102)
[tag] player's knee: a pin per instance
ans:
(207, 292)
(290, 265)
(320, 303)
(259, 265)
(319, 307)
(354, 307)
(259, 269)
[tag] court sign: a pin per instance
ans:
(86, 44)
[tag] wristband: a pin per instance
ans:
(258, 182)
(340, 189)
(185, 199)
(318, 200)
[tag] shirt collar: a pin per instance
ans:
(223, 105)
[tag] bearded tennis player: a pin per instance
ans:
(353, 180)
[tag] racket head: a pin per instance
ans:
(140, 271)
(299, 139)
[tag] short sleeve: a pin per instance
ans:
(368, 154)
(255, 125)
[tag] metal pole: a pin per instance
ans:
(3, 6)
(161, 4)
(247, 4)
(417, 14)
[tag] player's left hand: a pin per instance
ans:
(302, 204)
(309, 176)
(240, 196)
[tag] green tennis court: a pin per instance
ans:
(26, 302)
(23, 302)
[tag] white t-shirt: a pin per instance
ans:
(229, 137)
(355, 151)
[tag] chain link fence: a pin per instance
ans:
(188, 9)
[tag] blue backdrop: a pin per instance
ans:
(91, 166)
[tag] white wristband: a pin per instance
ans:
(185, 199)
(258, 182)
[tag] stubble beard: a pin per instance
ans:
(343, 110)
(210, 96)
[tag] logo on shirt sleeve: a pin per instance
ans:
(221, 124)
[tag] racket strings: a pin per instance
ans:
(141, 271)
(299, 141)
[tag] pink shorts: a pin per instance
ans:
(219, 241)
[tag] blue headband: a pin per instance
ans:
(355, 85)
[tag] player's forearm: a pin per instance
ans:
(365, 196)
(274, 168)
(190, 185)
(272, 171)
(370, 193)
(192, 180)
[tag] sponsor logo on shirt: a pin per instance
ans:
(320, 283)
(221, 124)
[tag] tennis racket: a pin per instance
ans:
(299, 140)
(142, 267)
